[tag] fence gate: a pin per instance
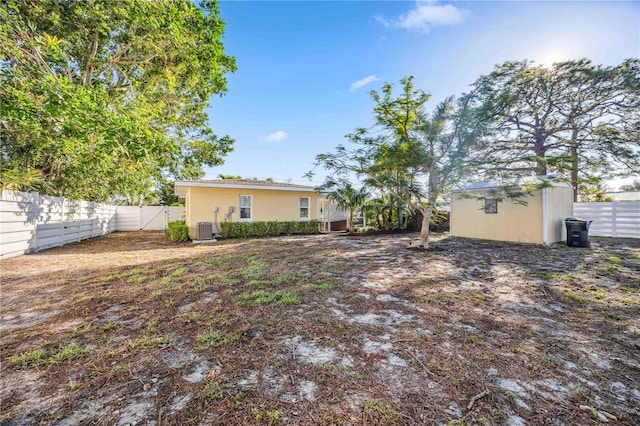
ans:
(153, 218)
(147, 218)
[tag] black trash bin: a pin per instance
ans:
(577, 232)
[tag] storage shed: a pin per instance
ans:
(475, 213)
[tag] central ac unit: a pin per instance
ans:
(205, 231)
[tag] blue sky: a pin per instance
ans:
(305, 68)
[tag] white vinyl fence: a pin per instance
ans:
(32, 222)
(614, 219)
(147, 218)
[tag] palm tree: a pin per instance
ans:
(346, 197)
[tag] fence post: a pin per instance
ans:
(614, 230)
(37, 220)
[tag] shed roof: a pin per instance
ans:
(181, 186)
(531, 180)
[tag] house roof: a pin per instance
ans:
(182, 186)
(533, 180)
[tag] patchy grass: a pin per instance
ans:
(39, 357)
(215, 338)
(335, 330)
(265, 298)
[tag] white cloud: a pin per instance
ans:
(276, 136)
(384, 21)
(426, 15)
(363, 82)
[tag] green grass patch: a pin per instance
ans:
(178, 272)
(213, 391)
(112, 325)
(597, 293)
(147, 341)
(76, 330)
(574, 297)
(285, 279)
(381, 412)
(259, 283)
(266, 298)
(214, 338)
(48, 357)
(476, 340)
(255, 270)
(221, 279)
(324, 286)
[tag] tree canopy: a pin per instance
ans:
(408, 153)
(573, 119)
(633, 186)
(348, 198)
(106, 100)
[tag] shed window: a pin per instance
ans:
(491, 206)
(245, 207)
(304, 207)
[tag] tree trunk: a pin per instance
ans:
(540, 150)
(423, 240)
(574, 163)
(350, 221)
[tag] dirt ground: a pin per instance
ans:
(130, 329)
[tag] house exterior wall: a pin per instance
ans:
(513, 221)
(266, 205)
(559, 206)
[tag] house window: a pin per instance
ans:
(491, 206)
(245, 207)
(304, 207)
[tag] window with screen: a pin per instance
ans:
(245, 207)
(304, 208)
(491, 206)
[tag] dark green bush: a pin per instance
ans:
(287, 227)
(273, 228)
(178, 231)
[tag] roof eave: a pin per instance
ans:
(187, 184)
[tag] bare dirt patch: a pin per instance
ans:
(131, 329)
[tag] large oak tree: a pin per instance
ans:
(103, 100)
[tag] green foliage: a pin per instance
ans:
(287, 227)
(213, 391)
(406, 147)
(178, 231)
(346, 197)
(572, 119)
(104, 100)
(273, 228)
(259, 229)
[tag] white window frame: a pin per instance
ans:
(308, 217)
(240, 207)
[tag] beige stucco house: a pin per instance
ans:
(540, 221)
(217, 201)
